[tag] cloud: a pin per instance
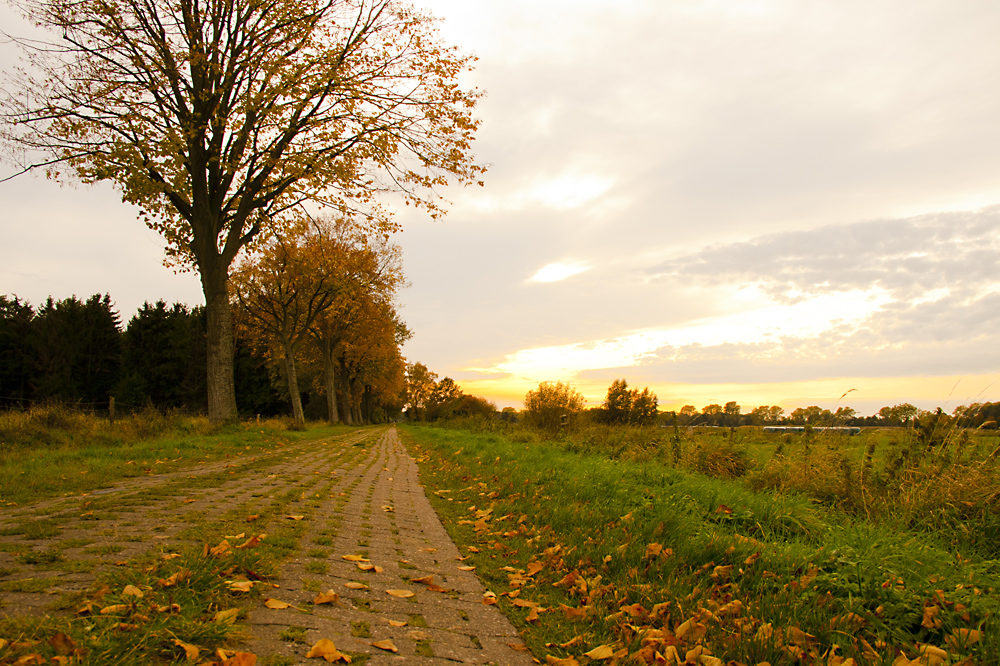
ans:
(558, 271)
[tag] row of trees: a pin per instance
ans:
(77, 351)
(430, 399)
(323, 298)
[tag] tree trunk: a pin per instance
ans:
(293, 386)
(330, 383)
(219, 344)
(355, 404)
(345, 397)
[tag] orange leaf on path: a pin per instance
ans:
(385, 645)
(355, 586)
(325, 649)
(398, 623)
(354, 558)
(402, 594)
(275, 604)
(328, 597)
(426, 580)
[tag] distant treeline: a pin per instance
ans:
(78, 352)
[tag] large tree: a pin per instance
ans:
(217, 117)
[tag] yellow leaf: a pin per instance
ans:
(226, 616)
(221, 549)
(132, 591)
(398, 623)
(190, 651)
(402, 594)
(176, 578)
(385, 645)
(325, 649)
(467, 568)
(294, 517)
(354, 558)
(426, 580)
(275, 604)
(489, 598)
(355, 586)
(328, 597)
(600, 652)
(555, 661)
(240, 585)
(252, 518)
(241, 659)
(241, 535)
(532, 615)
(116, 608)
(653, 550)
(533, 568)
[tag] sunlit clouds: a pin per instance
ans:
(769, 322)
(558, 271)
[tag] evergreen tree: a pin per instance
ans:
(16, 353)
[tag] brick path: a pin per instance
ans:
(359, 497)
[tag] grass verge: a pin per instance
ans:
(641, 561)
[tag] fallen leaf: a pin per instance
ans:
(176, 578)
(426, 580)
(600, 652)
(325, 649)
(467, 568)
(532, 615)
(132, 591)
(418, 635)
(226, 616)
(294, 517)
(62, 643)
(275, 604)
(402, 594)
(489, 598)
(385, 645)
(252, 518)
(354, 558)
(190, 651)
(241, 535)
(555, 661)
(220, 550)
(328, 597)
(398, 623)
(241, 659)
(240, 585)
(116, 608)
(534, 567)
(355, 586)
(653, 550)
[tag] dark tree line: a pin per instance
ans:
(78, 352)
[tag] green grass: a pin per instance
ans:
(39, 452)
(649, 545)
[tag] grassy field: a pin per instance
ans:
(714, 548)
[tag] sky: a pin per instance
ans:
(767, 202)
